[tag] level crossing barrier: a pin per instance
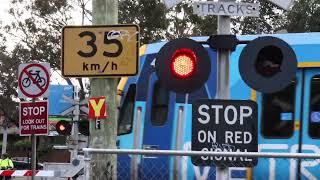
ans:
(24, 173)
(157, 166)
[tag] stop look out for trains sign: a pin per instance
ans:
(33, 118)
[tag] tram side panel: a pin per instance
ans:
(179, 120)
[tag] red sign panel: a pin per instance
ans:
(33, 118)
(97, 108)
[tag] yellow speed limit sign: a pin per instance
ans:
(100, 51)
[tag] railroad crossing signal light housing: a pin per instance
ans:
(268, 64)
(63, 128)
(84, 127)
(183, 65)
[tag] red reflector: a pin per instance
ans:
(183, 63)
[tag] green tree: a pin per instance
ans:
(148, 14)
(37, 30)
(304, 16)
(34, 35)
(8, 84)
(157, 23)
(270, 20)
(183, 23)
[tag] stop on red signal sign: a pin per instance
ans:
(33, 118)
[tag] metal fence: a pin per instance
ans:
(176, 165)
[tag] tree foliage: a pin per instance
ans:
(8, 84)
(148, 14)
(270, 20)
(304, 16)
(37, 29)
(34, 35)
(158, 23)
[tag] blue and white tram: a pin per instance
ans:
(152, 117)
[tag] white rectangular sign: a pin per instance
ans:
(171, 3)
(284, 4)
(226, 9)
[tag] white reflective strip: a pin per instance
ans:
(273, 147)
(19, 173)
(45, 174)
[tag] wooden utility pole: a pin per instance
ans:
(104, 12)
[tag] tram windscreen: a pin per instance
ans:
(278, 113)
(127, 111)
(314, 114)
(160, 105)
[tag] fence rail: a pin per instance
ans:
(134, 164)
(202, 153)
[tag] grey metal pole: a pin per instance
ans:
(5, 135)
(33, 151)
(223, 91)
(33, 155)
(76, 113)
(136, 143)
(181, 120)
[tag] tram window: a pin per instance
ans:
(314, 115)
(278, 113)
(160, 101)
(127, 111)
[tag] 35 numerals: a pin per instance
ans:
(94, 48)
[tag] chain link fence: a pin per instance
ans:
(177, 165)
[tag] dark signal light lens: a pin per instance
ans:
(183, 63)
(268, 64)
(269, 60)
(84, 127)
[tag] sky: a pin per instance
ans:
(4, 7)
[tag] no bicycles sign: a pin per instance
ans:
(33, 80)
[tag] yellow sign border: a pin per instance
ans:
(101, 75)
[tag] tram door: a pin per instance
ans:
(309, 169)
(157, 133)
(289, 121)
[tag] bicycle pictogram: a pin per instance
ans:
(36, 78)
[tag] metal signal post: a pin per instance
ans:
(33, 151)
(223, 90)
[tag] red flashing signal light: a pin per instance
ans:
(183, 63)
(63, 127)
